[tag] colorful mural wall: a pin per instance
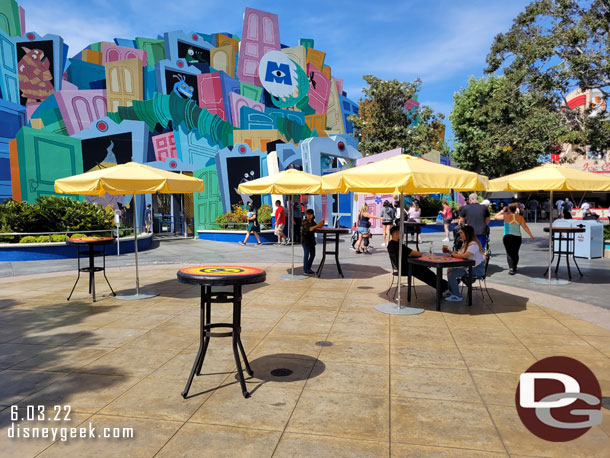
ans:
(223, 108)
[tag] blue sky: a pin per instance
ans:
(442, 42)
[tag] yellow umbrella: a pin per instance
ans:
(403, 174)
(129, 178)
(551, 177)
(291, 181)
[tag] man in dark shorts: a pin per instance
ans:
(420, 272)
(476, 215)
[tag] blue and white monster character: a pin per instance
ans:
(247, 177)
(182, 88)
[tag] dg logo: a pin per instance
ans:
(221, 270)
(559, 399)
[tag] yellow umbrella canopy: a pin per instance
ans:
(403, 174)
(290, 181)
(129, 178)
(551, 177)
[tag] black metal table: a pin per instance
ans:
(213, 276)
(413, 228)
(330, 234)
(91, 243)
(440, 262)
(567, 236)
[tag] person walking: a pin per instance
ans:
(280, 223)
(471, 249)
(253, 226)
(584, 207)
(447, 214)
(388, 214)
(476, 215)
(512, 235)
(559, 206)
(308, 240)
(364, 225)
(148, 218)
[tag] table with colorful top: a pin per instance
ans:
(330, 234)
(211, 277)
(91, 243)
(566, 239)
(440, 262)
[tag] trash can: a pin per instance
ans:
(589, 244)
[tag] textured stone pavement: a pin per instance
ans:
(435, 384)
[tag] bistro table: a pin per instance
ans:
(413, 228)
(210, 277)
(440, 262)
(565, 238)
(91, 243)
(327, 232)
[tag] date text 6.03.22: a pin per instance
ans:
(40, 413)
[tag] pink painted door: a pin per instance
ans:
(164, 146)
(210, 93)
(112, 53)
(319, 89)
(260, 34)
(80, 108)
(238, 101)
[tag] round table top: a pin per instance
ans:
(221, 275)
(91, 241)
(566, 229)
(439, 260)
(333, 230)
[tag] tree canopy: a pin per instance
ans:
(555, 47)
(499, 129)
(384, 123)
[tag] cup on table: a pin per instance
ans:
(446, 249)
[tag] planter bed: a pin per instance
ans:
(60, 250)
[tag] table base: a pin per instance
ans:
(207, 297)
(91, 271)
(135, 297)
(552, 282)
(292, 277)
(391, 308)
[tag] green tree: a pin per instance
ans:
(554, 47)
(384, 124)
(499, 129)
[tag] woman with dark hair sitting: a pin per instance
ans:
(471, 249)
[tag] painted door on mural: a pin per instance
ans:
(223, 58)
(114, 53)
(13, 118)
(210, 94)
(319, 89)
(260, 35)
(44, 158)
(207, 204)
(192, 149)
(123, 83)
(80, 108)
(9, 83)
(374, 204)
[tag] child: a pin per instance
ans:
(309, 240)
(354, 235)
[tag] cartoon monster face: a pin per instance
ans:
(182, 88)
(37, 55)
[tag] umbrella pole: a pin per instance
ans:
(290, 214)
(144, 294)
(135, 242)
(391, 307)
(551, 235)
(402, 226)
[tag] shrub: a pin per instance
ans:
(52, 214)
(28, 239)
(77, 236)
(607, 232)
(59, 238)
(239, 215)
(42, 239)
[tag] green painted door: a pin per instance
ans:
(43, 158)
(208, 204)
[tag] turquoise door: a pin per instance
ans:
(208, 204)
